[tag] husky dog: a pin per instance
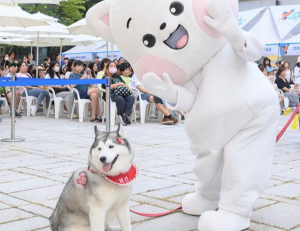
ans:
(107, 189)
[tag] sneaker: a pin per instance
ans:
(99, 118)
(174, 120)
(127, 120)
(73, 117)
(33, 110)
(17, 115)
(167, 121)
(123, 120)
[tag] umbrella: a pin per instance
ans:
(12, 15)
(31, 1)
(80, 27)
(85, 40)
(10, 35)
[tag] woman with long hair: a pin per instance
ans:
(284, 85)
(120, 94)
(70, 68)
(35, 91)
(92, 67)
(288, 73)
(100, 74)
(61, 91)
(267, 62)
(32, 70)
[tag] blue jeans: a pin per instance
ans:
(40, 94)
(124, 104)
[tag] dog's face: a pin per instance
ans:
(159, 36)
(111, 153)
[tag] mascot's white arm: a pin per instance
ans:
(180, 98)
(223, 21)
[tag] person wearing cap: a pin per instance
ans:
(297, 70)
(96, 60)
(270, 72)
(41, 72)
(12, 69)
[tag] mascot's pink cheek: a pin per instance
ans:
(146, 64)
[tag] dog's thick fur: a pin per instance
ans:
(91, 207)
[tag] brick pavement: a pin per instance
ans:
(33, 174)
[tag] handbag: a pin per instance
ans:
(121, 91)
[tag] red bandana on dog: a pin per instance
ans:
(123, 179)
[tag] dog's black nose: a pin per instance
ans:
(102, 159)
(163, 26)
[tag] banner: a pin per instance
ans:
(84, 57)
(246, 16)
(102, 55)
(290, 49)
(285, 18)
(271, 49)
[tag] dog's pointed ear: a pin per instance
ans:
(97, 18)
(97, 132)
(120, 131)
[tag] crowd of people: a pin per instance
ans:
(124, 86)
(285, 79)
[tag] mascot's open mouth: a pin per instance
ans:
(108, 167)
(178, 39)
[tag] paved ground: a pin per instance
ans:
(33, 174)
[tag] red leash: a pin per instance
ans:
(288, 123)
(177, 209)
(156, 214)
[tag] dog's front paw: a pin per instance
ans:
(82, 179)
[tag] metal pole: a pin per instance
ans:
(112, 52)
(31, 49)
(107, 105)
(37, 54)
(13, 121)
(60, 51)
(107, 50)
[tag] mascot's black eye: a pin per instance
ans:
(111, 146)
(99, 149)
(149, 40)
(176, 8)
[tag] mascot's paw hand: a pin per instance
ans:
(82, 179)
(222, 220)
(223, 20)
(161, 87)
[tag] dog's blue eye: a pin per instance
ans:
(111, 146)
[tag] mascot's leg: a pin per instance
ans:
(247, 168)
(208, 169)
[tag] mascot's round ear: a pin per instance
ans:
(97, 18)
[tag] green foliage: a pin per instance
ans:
(68, 11)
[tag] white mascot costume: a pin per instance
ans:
(192, 54)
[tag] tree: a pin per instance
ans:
(68, 11)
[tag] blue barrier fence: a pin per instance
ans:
(8, 82)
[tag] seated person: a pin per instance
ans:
(270, 72)
(93, 94)
(283, 84)
(61, 91)
(168, 118)
(120, 94)
(35, 91)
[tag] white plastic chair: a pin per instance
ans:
(82, 105)
(5, 104)
(58, 104)
(30, 100)
(143, 105)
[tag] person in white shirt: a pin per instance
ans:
(288, 72)
(297, 69)
(168, 118)
(61, 91)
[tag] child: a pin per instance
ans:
(85, 93)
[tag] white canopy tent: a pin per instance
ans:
(31, 1)
(245, 17)
(88, 53)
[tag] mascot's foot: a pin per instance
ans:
(82, 179)
(195, 204)
(222, 220)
